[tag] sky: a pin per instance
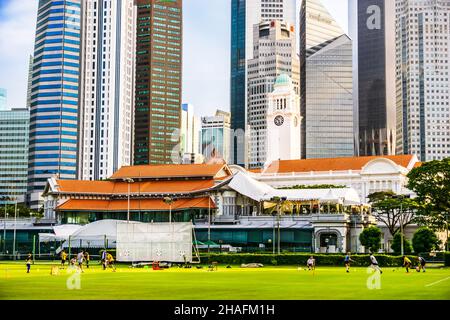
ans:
(206, 50)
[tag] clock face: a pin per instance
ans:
(279, 120)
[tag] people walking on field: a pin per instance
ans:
(347, 261)
(422, 264)
(80, 259)
(311, 263)
(28, 262)
(63, 258)
(110, 260)
(374, 263)
(104, 262)
(87, 257)
(406, 263)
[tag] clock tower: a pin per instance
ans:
(283, 121)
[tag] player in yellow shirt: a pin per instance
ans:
(110, 260)
(63, 258)
(406, 263)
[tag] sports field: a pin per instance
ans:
(278, 283)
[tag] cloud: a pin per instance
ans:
(17, 28)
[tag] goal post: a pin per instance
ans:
(144, 242)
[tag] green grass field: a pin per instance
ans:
(278, 283)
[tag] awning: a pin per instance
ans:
(258, 191)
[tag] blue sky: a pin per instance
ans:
(206, 49)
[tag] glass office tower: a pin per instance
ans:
(372, 29)
(158, 81)
(53, 143)
(14, 126)
(329, 102)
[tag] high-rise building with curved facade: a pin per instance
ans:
(53, 144)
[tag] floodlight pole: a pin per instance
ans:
(4, 230)
(273, 242)
(401, 226)
(278, 225)
(169, 201)
(401, 197)
(128, 206)
(209, 222)
(15, 226)
(129, 181)
(446, 222)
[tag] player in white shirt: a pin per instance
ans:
(374, 263)
(311, 263)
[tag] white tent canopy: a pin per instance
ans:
(95, 235)
(250, 187)
(259, 191)
(61, 233)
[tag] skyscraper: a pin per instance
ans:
(107, 88)
(190, 130)
(53, 144)
(274, 54)
(14, 127)
(329, 100)
(372, 29)
(158, 81)
(317, 29)
(423, 97)
(215, 137)
(244, 15)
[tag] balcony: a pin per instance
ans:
(332, 218)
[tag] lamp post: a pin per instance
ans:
(15, 226)
(446, 222)
(169, 201)
(279, 201)
(129, 181)
(401, 197)
(4, 229)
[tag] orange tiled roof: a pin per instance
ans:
(171, 171)
(331, 164)
(120, 187)
(135, 205)
(84, 186)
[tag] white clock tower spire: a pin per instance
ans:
(283, 121)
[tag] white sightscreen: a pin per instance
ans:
(154, 241)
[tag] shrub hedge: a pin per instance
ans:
(301, 258)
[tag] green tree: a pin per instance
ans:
(425, 240)
(371, 238)
(431, 183)
(22, 211)
(396, 245)
(392, 210)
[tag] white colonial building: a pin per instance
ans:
(241, 208)
(364, 174)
